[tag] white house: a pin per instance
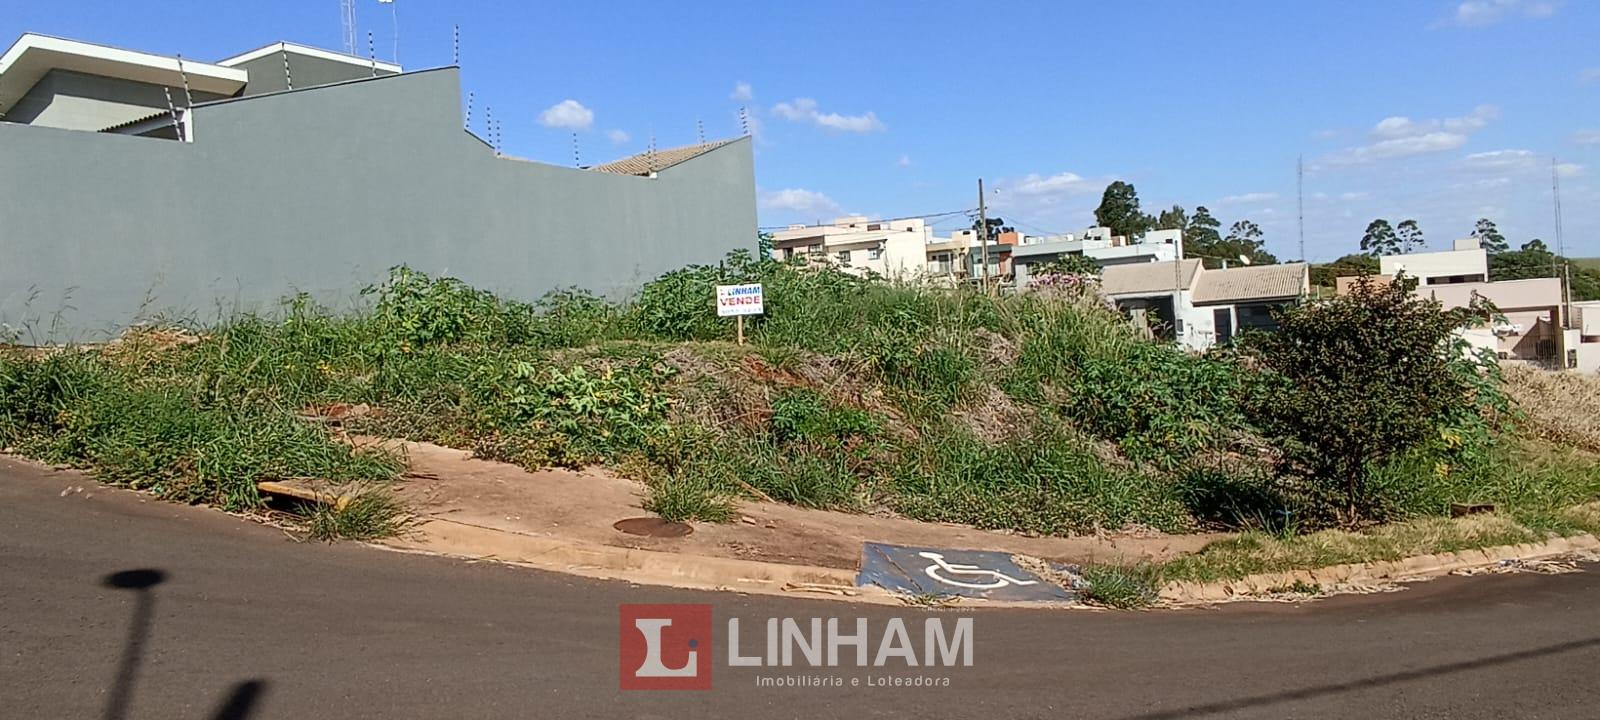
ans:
(891, 248)
(1212, 306)
(1533, 328)
(1097, 244)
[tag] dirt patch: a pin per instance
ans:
(582, 506)
(724, 386)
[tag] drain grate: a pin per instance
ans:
(653, 527)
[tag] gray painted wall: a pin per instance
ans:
(80, 101)
(266, 72)
(322, 190)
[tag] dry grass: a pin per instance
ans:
(1254, 553)
(1563, 408)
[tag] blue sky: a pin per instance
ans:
(1439, 111)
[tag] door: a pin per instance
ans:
(1222, 318)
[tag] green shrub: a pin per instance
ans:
(1352, 383)
(804, 414)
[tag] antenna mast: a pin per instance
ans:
(1561, 248)
(1300, 201)
(347, 18)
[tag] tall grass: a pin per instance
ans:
(1037, 412)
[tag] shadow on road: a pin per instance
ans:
(1373, 682)
(139, 581)
(241, 701)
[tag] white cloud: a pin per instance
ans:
(617, 137)
(1035, 185)
(742, 92)
(904, 161)
(1517, 161)
(1589, 75)
(1481, 13)
(569, 114)
(1399, 136)
(1353, 196)
(1057, 198)
(799, 200)
(805, 110)
(1501, 160)
(1587, 137)
(1248, 198)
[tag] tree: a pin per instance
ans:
(1489, 236)
(996, 226)
(1174, 219)
(1353, 382)
(1203, 234)
(1536, 245)
(1068, 265)
(1410, 236)
(1119, 210)
(1380, 239)
(1327, 274)
(1244, 240)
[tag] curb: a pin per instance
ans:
(438, 536)
(464, 541)
(1405, 569)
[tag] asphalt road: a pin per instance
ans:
(239, 621)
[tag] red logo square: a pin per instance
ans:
(665, 647)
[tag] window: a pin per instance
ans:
(788, 253)
(1454, 279)
(844, 257)
(875, 254)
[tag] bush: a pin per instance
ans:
(804, 414)
(1352, 383)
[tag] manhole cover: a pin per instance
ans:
(653, 527)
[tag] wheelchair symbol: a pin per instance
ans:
(998, 579)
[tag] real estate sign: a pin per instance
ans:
(739, 300)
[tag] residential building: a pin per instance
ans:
(1531, 328)
(1097, 244)
(1467, 262)
(1199, 307)
(890, 248)
(116, 206)
(1583, 340)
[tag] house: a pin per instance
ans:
(1199, 307)
(1532, 328)
(1097, 244)
(890, 248)
(1583, 340)
(293, 169)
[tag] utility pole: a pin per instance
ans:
(983, 235)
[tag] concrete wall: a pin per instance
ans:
(79, 101)
(322, 190)
(266, 72)
(1436, 264)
